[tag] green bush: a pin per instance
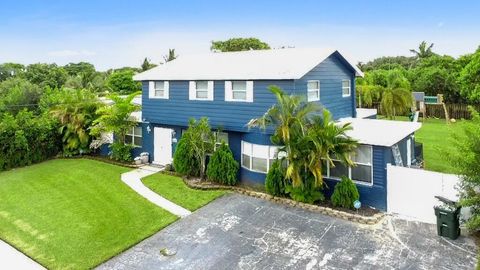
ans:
(184, 160)
(222, 167)
(121, 152)
(275, 181)
(345, 193)
(27, 138)
(306, 193)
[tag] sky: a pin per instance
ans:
(117, 33)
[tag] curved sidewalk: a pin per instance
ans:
(133, 180)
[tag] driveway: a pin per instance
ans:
(241, 232)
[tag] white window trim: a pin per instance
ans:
(133, 135)
(248, 91)
(349, 88)
(252, 156)
(151, 90)
(327, 175)
(313, 90)
(193, 91)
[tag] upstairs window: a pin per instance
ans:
(134, 137)
(201, 90)
(241, 91)
(346, 88)
(313, 89)
(158, 89)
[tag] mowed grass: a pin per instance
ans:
(174, 189)
(438, 142)
(74, 214)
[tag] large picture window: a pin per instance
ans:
(258, 158)
(361, 172)
(134, 136)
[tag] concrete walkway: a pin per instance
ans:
(133, 180)
(10, 258)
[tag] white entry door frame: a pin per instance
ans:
(162, 146)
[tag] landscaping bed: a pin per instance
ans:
(74, 213)
(364, 215)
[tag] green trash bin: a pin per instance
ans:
(448, 221)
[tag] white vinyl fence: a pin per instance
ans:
(410, 192)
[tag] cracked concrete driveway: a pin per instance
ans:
(240, 232)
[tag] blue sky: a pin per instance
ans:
(121, 33)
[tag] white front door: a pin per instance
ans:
(162, 146)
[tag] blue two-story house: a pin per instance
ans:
(232, 88)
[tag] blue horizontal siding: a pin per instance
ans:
(330, 73)
(233, 116)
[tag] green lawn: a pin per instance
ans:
(438, 143)
(174, 189)
(74, 214)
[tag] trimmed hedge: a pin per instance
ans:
(184, 161)
(275, 180)
(27, 138)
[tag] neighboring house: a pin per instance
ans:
(232, 88)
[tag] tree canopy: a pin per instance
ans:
(239, 44)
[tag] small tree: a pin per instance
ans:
(466, 159)
(116, 118)
(202, 141)
(222, 167)
(184, 160)
(345, 193)
(275, 181)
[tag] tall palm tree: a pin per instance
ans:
(306, 137)
(423, 51)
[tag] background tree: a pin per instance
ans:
(122, 82)
(45, 75)
(239, 44)
(74, 69)
(76, 111)
(170, 56)
(17, 94)
(146, 65)
(424, 50)
(8, 70)
(469, 78)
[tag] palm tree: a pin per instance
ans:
(424, 51)
(76, 112)
(170, 56)
(396, 97)
(116, 118)
(305, 136)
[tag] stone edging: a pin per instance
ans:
(105, 160)
(371, 220)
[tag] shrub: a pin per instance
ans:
(345, 193)
(275, 181)
(222, 167)
(27, 138)
(306, 193)
(184, 160)
(121, 152)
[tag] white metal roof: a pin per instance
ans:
(380, 132)
(364, 113)
(291, 63)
